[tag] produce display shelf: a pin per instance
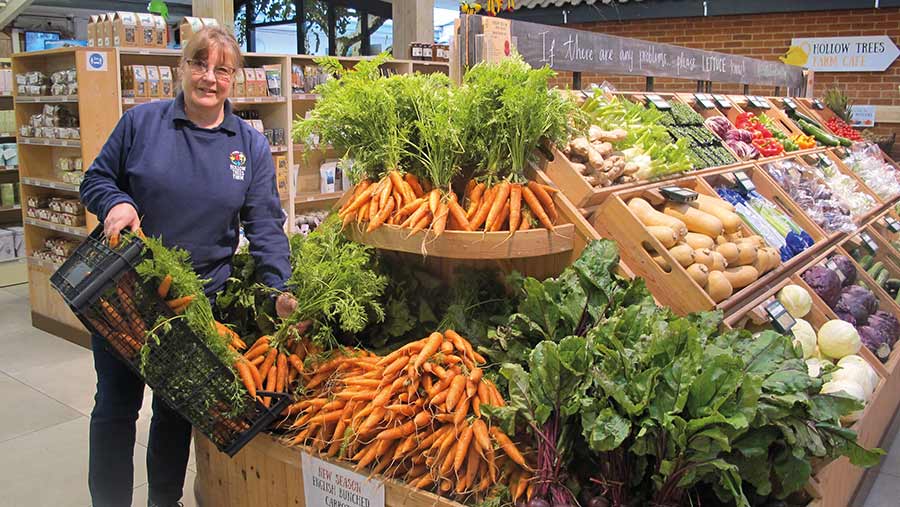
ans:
(257, 100)
(469, 245)
(312, 197)
(44, 141)
(305, 96)
(45, 99)
(80, 232)
(47, 183)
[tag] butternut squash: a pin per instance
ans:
(703, 256)
(699, 273)
(648, 215)
(755, 240)
(767, 259)
(661, 262)
(729, 251)
(747, 254)
(735, 236)
(697, 241)
(741, 276)
(721, 240)
(694, 219)
(709, 200)
(683, 254)
(664, 234)
(718, 287)
(718, 262)
(730, 220)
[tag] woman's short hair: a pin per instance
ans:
(199, 44)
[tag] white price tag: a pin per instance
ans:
(326, 484)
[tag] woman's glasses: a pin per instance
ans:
(201, 67)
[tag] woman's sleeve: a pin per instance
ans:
(263, 220)
(105, 184)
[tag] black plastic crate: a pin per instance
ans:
(102, 288)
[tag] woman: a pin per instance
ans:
(188, 171)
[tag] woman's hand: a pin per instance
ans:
(284, 307)
(121, 215)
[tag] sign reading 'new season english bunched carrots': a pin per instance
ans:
(873, 53)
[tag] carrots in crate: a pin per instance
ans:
(407, 415)
(401, 201)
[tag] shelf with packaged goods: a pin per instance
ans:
(45, 99)
(80, 232)
(280, 148)
(258, 100)
(48, 183)
(46, 141)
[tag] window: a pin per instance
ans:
(315, 27)
(348, 32)
(273, 11)
(381, 34)
(280, 39)
(443, 23)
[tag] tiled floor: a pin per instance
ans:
(46, 391)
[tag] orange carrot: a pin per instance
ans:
(434, 199)
(405, 190)
(268, 363)
(257, 361)
(382, 215)
(417, 215)
(525, 223)
(462, 448)
(246, 377)
(374, 206)
(360, 200)
(254, 372)
(508, 447)
(163, 289)
(548, 188)
(295, 361)
(501, 218)
(545, 199)
(461, 410)
(413, 182)
(536, 208)
(480, 432)
(182, 301)
(423, 223)
(483, 209)
(457, 388)
(458, 213)
(431, 347)
(440, 218)
(497, 206)
(256, 351)
(281, 373)
(408, 208)
(357, 190)
(474, 200)
(386, 187)
(515, 207)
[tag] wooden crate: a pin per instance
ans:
(672, 286)
(266, 473)
(774, 113)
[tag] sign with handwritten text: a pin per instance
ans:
(328, 485)
(572, 50)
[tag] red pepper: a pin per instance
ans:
(743, 121)
(768, 147)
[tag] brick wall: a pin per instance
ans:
(763, 36)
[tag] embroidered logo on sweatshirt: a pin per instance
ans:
(238, 164)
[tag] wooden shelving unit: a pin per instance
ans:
(12, 271)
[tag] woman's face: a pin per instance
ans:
(207, 83)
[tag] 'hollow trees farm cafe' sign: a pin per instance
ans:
(842, 54)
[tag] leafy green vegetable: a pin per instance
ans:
(244, 303)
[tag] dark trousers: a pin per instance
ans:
(120, 393)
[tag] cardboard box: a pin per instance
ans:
(166, 82)
(153, 88)
(189, 26)
(281, 171)
(273, 79)
(107, 24)
(239, 84)
(93, 24)
(249, 82)
(162, 32)
(210, 21)
(262, 89)
(125, 29)
(134, 81)
(147, 37)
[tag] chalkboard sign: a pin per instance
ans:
(581, 51)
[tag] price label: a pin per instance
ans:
(789, 103)
(869, 242)
(704, 100)
(817, 104)
(678, 194)
(823, 160)
(325, 483)
(892, 225)
(782, 321)
(744, 183)
(660, 103)
(763, 102)
(47, 142)
(830, 264)
(723, 101)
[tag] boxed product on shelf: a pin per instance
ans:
(134, 81)
(18, 239)
(162, 31)
(61, 246)
(273, 79)
(147, 26)
(239, 84)
(329, 177)
(72, 177)
(8, 197)
(125, 29)
(304, 79)
(166, 82)
(56, 121)
(249, 82)
(37, 201)
(66, 219)
(281, 171)
(66, 164)
(278, 136)
(8, 121)
(190, 25)
(153, 81)
(10, 154)
(69, 206)
(7, 245)
(93, 19)
(6, 81)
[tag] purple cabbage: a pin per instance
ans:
(743, 150)
(857, 301)
(845, 265)
(825, 283)
(719, 125)
(886, 324)
(876, 341)
(846, 317)
(744, 136)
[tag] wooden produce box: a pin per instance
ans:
(774, 113)
(672, 285)
(266, 473)
(837, 155)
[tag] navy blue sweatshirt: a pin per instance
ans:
(192, 187)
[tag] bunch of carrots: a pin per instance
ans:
(413, 414)
(403, 201)
(267, 367)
